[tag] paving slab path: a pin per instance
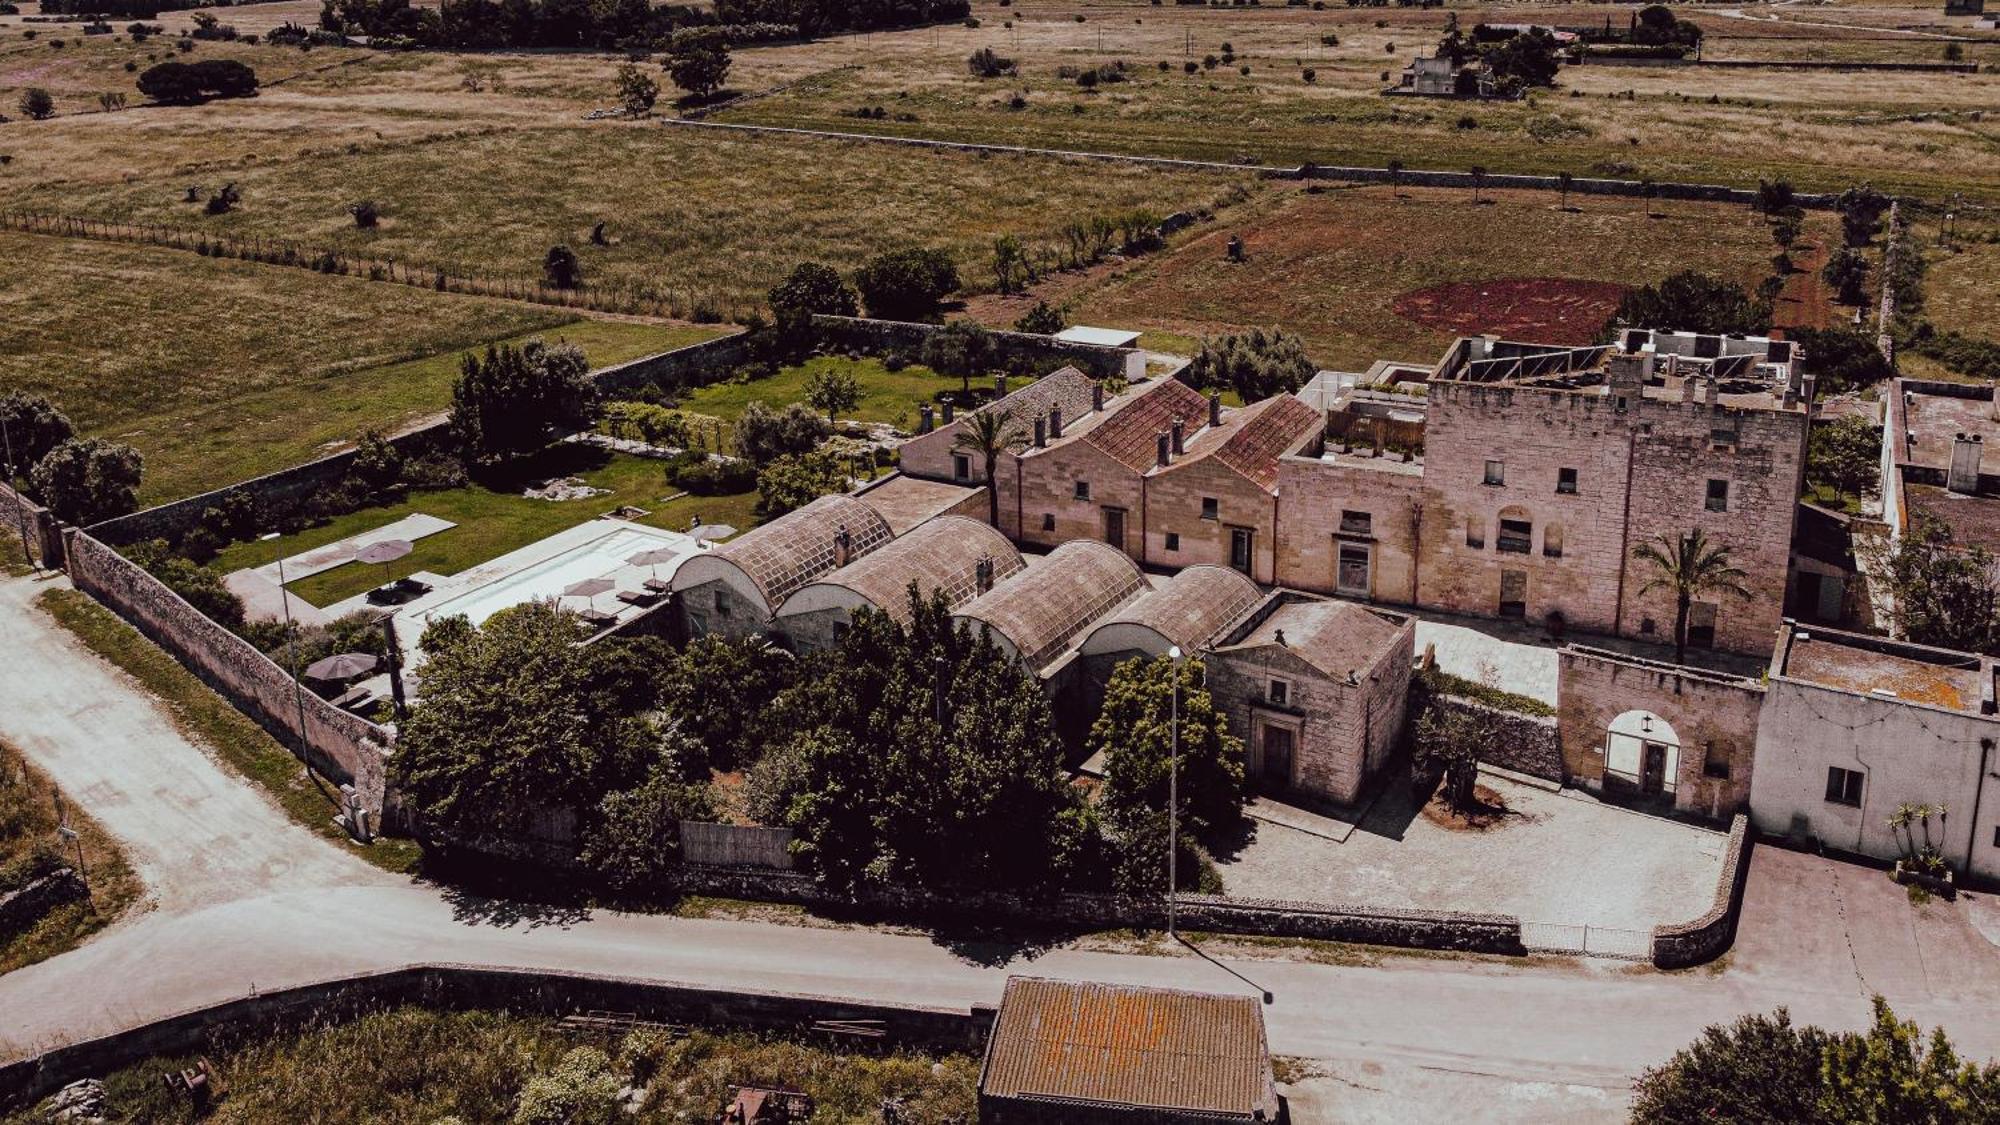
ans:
(245, 901)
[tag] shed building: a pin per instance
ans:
(1066, 1051)
(958, 557)
(736, 589)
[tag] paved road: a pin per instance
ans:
(246, 901)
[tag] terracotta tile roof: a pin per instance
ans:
(1044, 607)
(800, 546)
(1087, 1044)
(1334, 637)
(1261, 433)
(942, 554)
(1193, 607)
(1128, 434)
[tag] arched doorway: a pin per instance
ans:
(1642, 753)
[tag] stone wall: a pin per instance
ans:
(1041, 353)
(1312, 495)
(1713, 719)
(345, 747)
(1528, 744)
(21, 516)
(546, 992)
(1703, 939)
(22, 908)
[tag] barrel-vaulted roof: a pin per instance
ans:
(949, 554)
(1042, 609)
(801, 546)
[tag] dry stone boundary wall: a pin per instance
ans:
(1703, 939)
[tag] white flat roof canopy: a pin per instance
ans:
(1102, 337)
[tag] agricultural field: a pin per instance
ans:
(30, 848)
(218, 370)
(1962, 285)
(1370, 273)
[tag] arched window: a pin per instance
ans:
(1517, 531)
(1552, 541)
(1475, 532)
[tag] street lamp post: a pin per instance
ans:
(291, 634)
(1173, 794)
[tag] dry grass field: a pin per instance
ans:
(217, 370)
(1331, 265)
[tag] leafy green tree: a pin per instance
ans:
(513, 401)
(810, 289)
(200, 586)
(763, 435)
(701, 69)
(1760, 1070)
(1688, 566)
(1528, 58)
(1255, 364)
(930, 758)
(1842, 358)
(503, 727)
(1134, 734)
(833, 389)
(793, 481)
(960, 350)
(987, 434)
(1889, 1073)
(723, 691)
(909, 284)
(634, 841)
(88, 480)
(1845, 454)
(1042, 320)
(1942, 593)
(637, 91)
(172, 83)
(1692, 302)
(34, 427)
(1847, 271)
(1012, 268)
(1861, 209)
(377, 465)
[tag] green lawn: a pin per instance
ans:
(886, 396)
(493, 519)
(193, 450)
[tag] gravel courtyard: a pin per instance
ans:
(1555, 857)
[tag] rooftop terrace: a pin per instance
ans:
(1891, 669)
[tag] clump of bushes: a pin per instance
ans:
(176, 83)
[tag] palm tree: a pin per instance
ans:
(1688, 565)
(989, 433)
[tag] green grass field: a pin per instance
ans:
(494, 518)
(886, 396)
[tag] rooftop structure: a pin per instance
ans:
(1935, 440)
(1069, 1051)
(1102, 337)
(1337, 639)
(905, 501)
(1886, 669)
(1739, 371)
(1036, 615)
(935, 454)
(1189, 610)
(771, 563)
(954, 556)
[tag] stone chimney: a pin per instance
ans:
(1180, 436)
(1096, 396)
(1687, 389)
(843, 544)
(1164, 447)
(1627, 373)
(1055, 422)
(949, 409)
(1041, 432)
(1963, 477)
(1215, 408)
(982, 573)
(926, 418)
(1711, 391)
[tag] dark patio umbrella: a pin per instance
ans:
(588, 588)
(343, 666)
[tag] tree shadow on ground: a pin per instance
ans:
(484, 893)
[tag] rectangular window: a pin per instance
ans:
(1721, 439)
(1357, 523)
(1281, 692)
(1173, 540)
(1353, 575)
(1714, 765)
(1843, 787)
(1516, 536)
(1701, 624)
(1083, 490)
(1048, 521)
(961, 467)
(1211, 508)
(1718, 496)
(1496, 472)
(1566, 481)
